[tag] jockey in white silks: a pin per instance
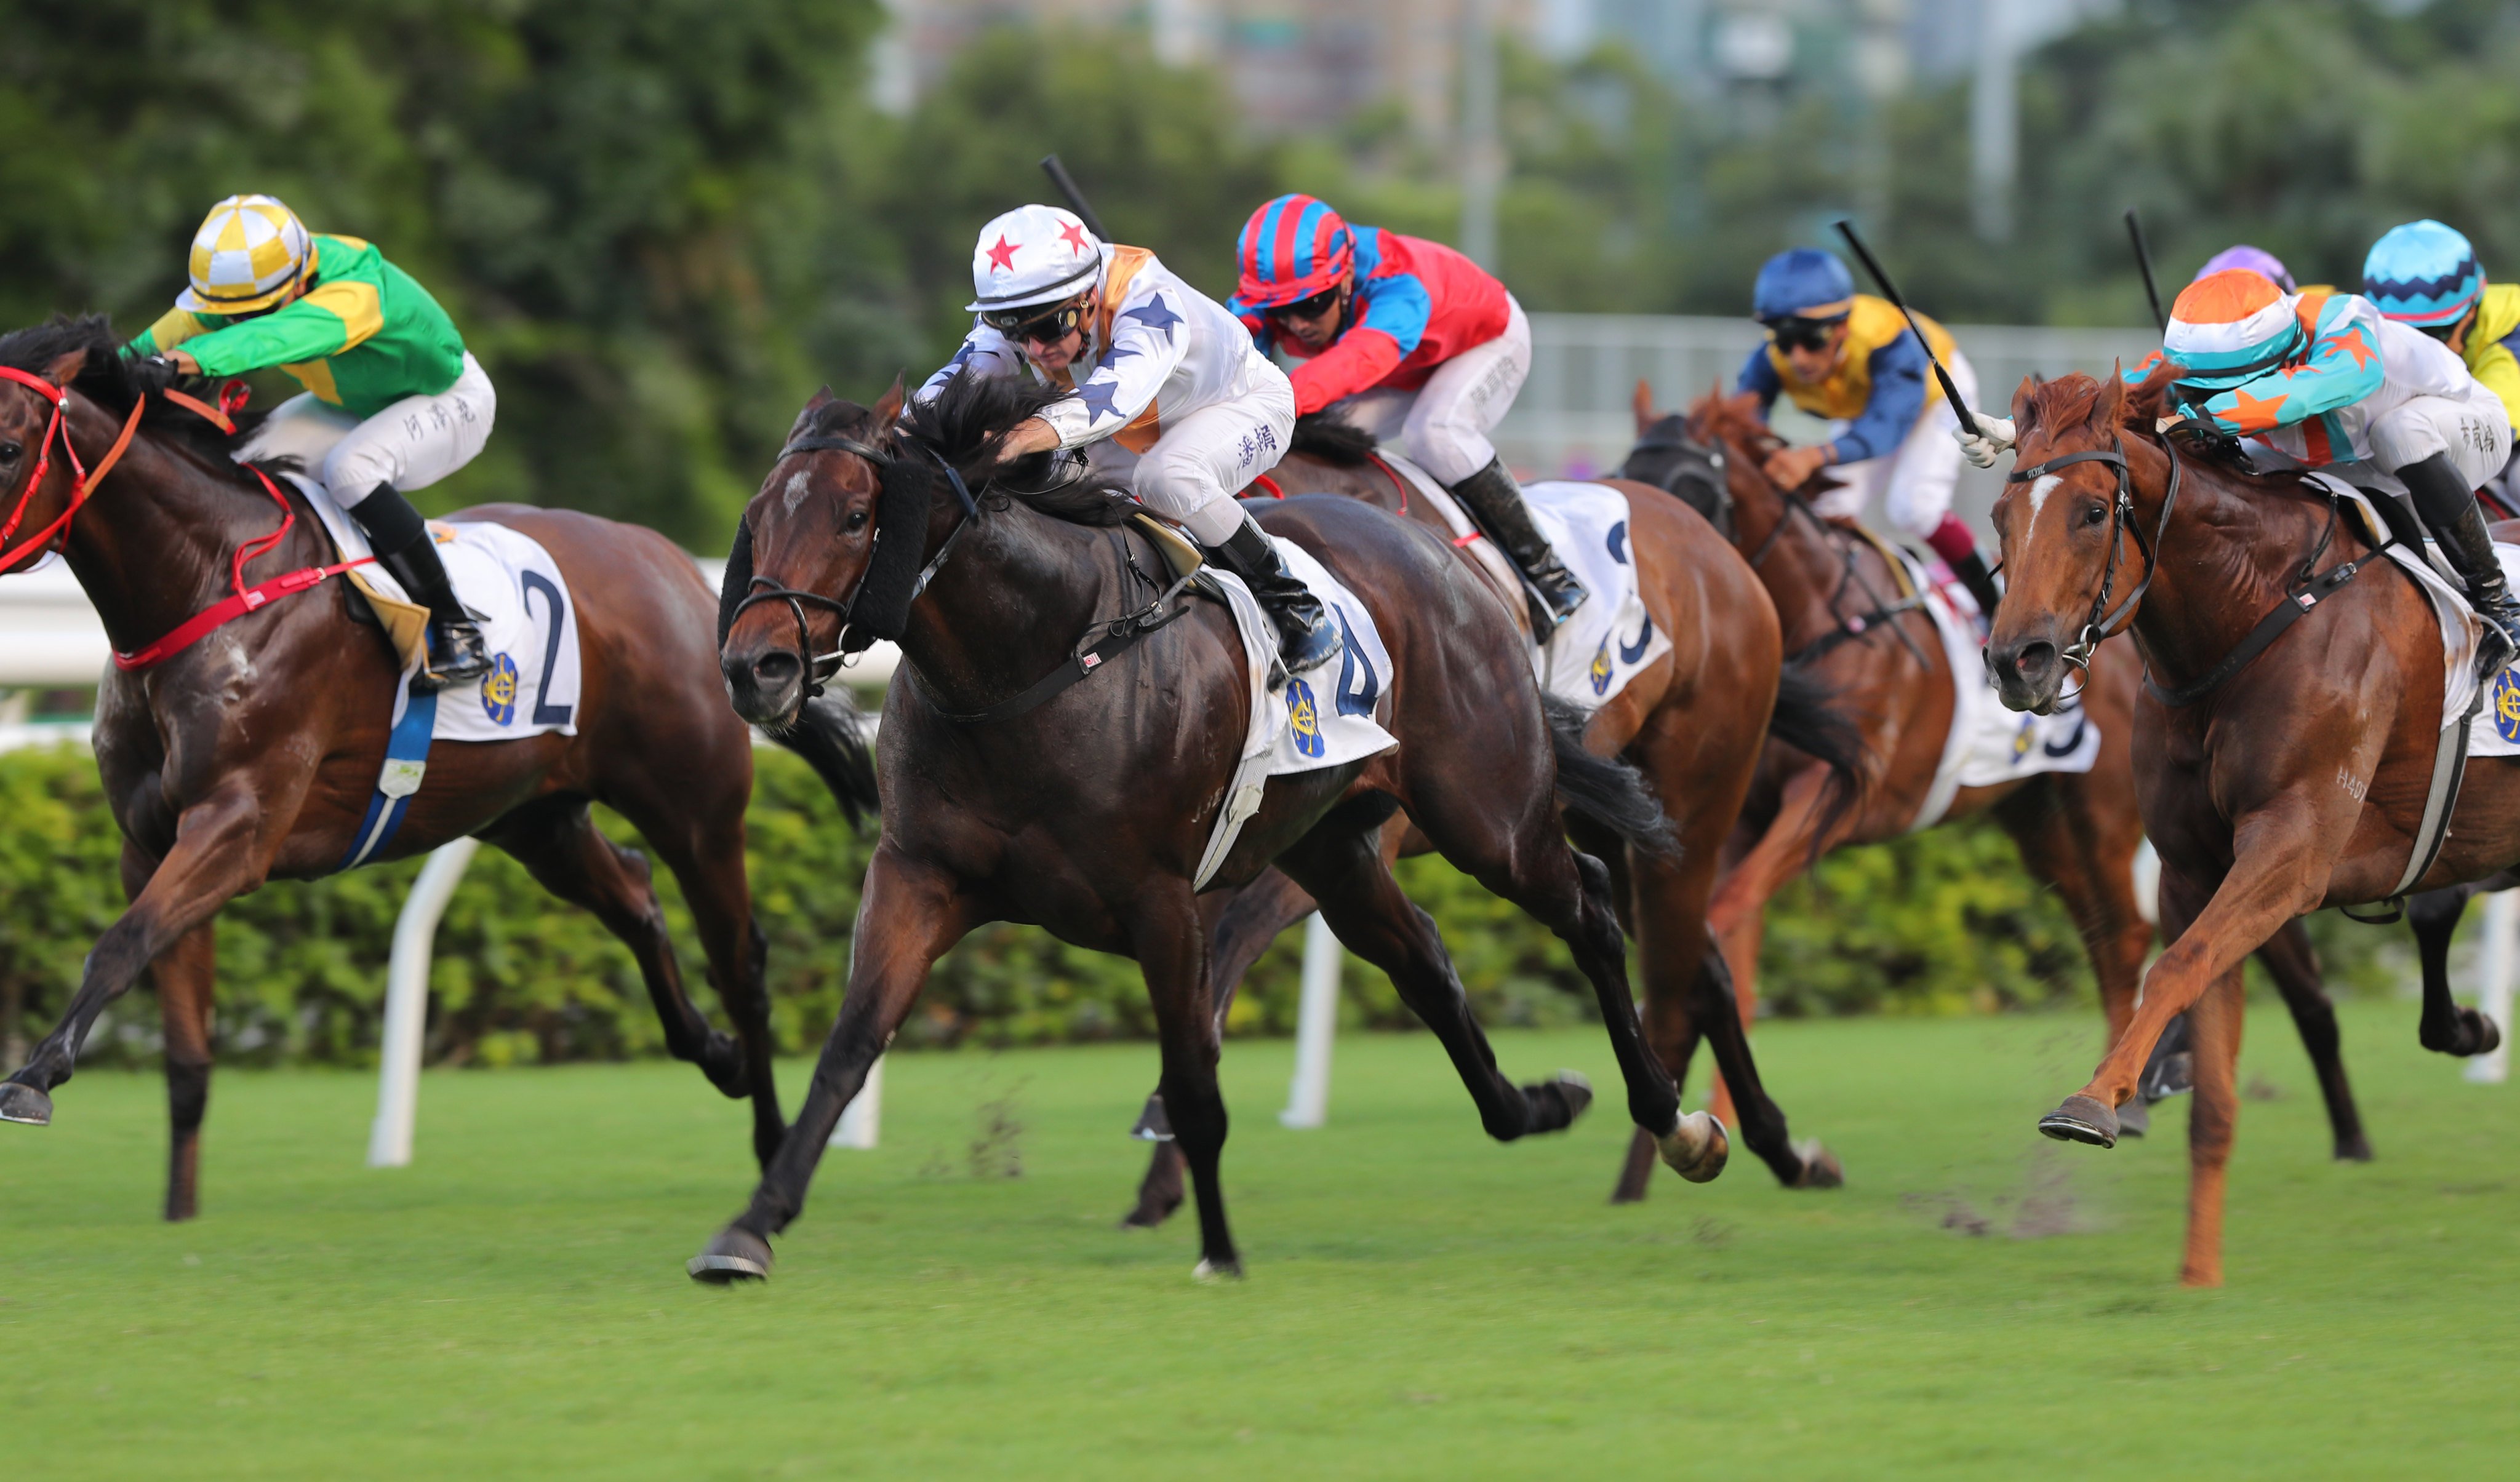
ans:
(1164, 385)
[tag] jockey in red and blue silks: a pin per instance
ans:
(1403, 337)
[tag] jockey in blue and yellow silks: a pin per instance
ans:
(1851, 358)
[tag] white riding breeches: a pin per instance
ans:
(412, 444)
(1915, 480)
(1442, 425)
(2474, 430)
(1193, 471)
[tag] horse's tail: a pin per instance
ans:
(1605, 789)
(827, 734)
(1807, 720)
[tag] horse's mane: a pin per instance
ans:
(966, 416)
(1716, 417)
(2080, 401)
(106, 379)
(1331, 438)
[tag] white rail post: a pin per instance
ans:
(1308, 1096)
(2494, 994)
(407, 1002)
(862, 1120)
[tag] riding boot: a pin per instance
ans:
(1496, 501)
(400, 539)
(2451, 510)
(1307, 637)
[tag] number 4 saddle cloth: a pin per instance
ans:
(528, 620)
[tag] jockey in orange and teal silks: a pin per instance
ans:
(393, 401)
(1406, 338)
(1851, 359)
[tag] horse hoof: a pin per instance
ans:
(2354, 1150)
(735, 1255)
(1577, 1089)
(2134, 1119)
(1213, 1271)
(2174, 1075)
(1696, 1148)
(1821, 1168)
(22, 1102)
(2082, 1119)
(1154, 1124)
(2488, 1037)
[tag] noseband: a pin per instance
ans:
(83, 478)
(820, 667)
(2103, 622)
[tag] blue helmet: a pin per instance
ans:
(1795, 283)
(2422, 274)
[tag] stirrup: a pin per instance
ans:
(458, 656)
(1308, 646)
(1552, 597)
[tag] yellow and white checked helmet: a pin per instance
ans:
(248, 253)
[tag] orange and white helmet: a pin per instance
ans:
(1033, 254)
(248, 253)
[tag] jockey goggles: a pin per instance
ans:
(1793, 331)
(1029, 325)
(1313, 308)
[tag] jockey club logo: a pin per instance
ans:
(2025, 738)
(2506, 707)
(1305, 717)
(1601, 671)
(499, 689)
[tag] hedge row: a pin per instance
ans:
(1944, 922)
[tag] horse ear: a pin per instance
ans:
(1643, 405)
(888, 410)
(805, 418)
(2025, 407)
(65, 368)
(2110, 411)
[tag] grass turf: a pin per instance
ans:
(1975, 1303)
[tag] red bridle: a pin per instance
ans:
(83, 479)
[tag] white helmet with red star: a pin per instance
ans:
(1033, 254)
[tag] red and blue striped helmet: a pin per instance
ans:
(1292, 247)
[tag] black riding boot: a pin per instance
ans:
(1307, 637)
(2451, 510)
(1973, 574)
(400, 538)
(1494, 501)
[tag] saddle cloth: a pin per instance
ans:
(1988, 744)
(529, 623)
(1324, 717)
(1601, 646)
(2490, 734)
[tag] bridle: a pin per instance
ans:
(2103, 622)
(821, 668)
(83, 479)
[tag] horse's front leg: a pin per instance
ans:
(221, 849)
(911, 911)
(1173, 952)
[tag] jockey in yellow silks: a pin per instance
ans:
(393, 402)
(2425, 274)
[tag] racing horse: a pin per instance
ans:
(1057, 743)
(2279, 770)
(252, 753)
(1844, 619)
(1691, 722)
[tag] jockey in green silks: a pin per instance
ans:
(393, 402)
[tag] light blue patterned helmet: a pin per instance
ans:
(2423, 273)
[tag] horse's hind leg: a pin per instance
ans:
(184, 975)
(2214, 1022)
(2447, 1027)
(2293, 964)
(1171, 945)
(1807, 1165)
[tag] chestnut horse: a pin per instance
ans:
(1060, 738)
(252, 753)
(2299, 780)
(1692, 722)
(1889, 670)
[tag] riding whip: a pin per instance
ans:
(1066, 184)
(2144, 260)
(1846, 229)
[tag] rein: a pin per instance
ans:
(83, 481)
(1851, 625)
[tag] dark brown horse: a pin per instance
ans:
(2298, 781)
(1088, 813)
(1692, 722)
(1889, 670)
(252, 753)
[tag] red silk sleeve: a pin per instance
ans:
(1357, 363)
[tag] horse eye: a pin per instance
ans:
(856, 521)
(2094, 515)
(9, 452)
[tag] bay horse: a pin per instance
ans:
(2296, 779)
(1022, 783)
(1692, 722)
(252, 753)
(1888, 669)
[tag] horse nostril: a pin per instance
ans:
(775, 669)
(2033, 659)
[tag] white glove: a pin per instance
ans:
(1992, 439)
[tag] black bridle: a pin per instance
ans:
(2103, 623)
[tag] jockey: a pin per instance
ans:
(2425, 274)
(2327, 382)
(393, 402)
(1161, 377)
(2256, 259)
(1851, 358)
(1405, 336)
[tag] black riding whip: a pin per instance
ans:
(1846, 229)
(2144, 260)
(1066, 184)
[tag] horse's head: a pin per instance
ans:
(800, 583)
(37, 482)
(1672, 458)
(2074, 551)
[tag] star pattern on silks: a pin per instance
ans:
(1098, 395)
(1002, 257)
(2254, 414)
(1154, 315)
(1073, 234)
(2352, 344)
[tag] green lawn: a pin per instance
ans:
(1421, 1302)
